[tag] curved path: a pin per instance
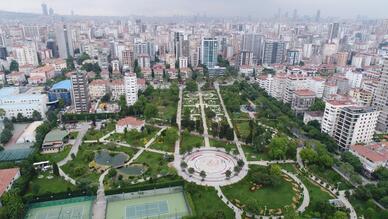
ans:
(74, 150)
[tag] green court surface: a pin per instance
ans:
(76, 208)
(164, 206)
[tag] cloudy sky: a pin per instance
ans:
(254, 8)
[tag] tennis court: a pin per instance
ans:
(77, 208)
(161, 206)
(15, 154)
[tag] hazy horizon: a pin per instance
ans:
(219, 8)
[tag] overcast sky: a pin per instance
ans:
(254, 8)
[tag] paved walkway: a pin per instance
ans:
(342, 197)
(99, 207)
(237, 212)
(203, 115)
(74, 150)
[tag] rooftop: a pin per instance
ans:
(6, 177)
(130, 121)
(55, 135)
(65, 84)
(304, 92)
(376, 152)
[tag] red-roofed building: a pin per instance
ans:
(372, 156)
(129, 123)
(7, 178)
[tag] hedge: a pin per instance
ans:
(137, 188)
(62, 195)
(88, 116)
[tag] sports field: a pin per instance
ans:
(76, 208)
(164, 206)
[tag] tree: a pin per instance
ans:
(36, 116)
(352, 160)
(308, 155)
(112, 173)
(84, 56)
(340, 215)
(171, 136)
(2, 113)
(55, 169)
(203, 174)
(14, 204)
(191, 86)
(150, 111)
(14, 66)
(191, 170)
(5, 136)
(228, 173)
(70, 64)
(318, 105)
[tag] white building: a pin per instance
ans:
(130, 84)
(129, 123)
(14, 103)
(316, 84)
(355, 79)
(332, 110)
(117, 89)
(26, 54)
(355, 125)
(97, 88)
(183, 62)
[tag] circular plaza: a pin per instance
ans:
(211, 167)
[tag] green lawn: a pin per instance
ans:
(220, 144)
(272, 197)
(78, 168)
(189, 142)
(252, 155)
(206, 203)
(159, 144)
(54, 157)
(157, 163)
(135, 138)
(317, 194)
(242, 127)
(93, 134)
(73, 135)
(44, 186)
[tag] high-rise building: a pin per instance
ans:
(380, 99)
(183, 62)
(27, 54)
(253, 42)
(293, 57)
(3, 53)
(44, 9)
(330, 116)
(178, 44)
(209, 48)
(131, 88)
(318, 16)
(52, 45)
(246, 58)
(355, 125)
(273, 52)
(80, 92)
(333, 32)
(64, 40)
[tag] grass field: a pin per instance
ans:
(206, 202)
(54, 157)
(252, 155)
(152, 207)
(189, 142)
(220, 144)
(280, 195)
(156, 162)
(43, 186)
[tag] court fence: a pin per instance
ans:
(144, 193)
(61, 202)
(145, 187)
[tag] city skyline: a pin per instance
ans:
(216, 8)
